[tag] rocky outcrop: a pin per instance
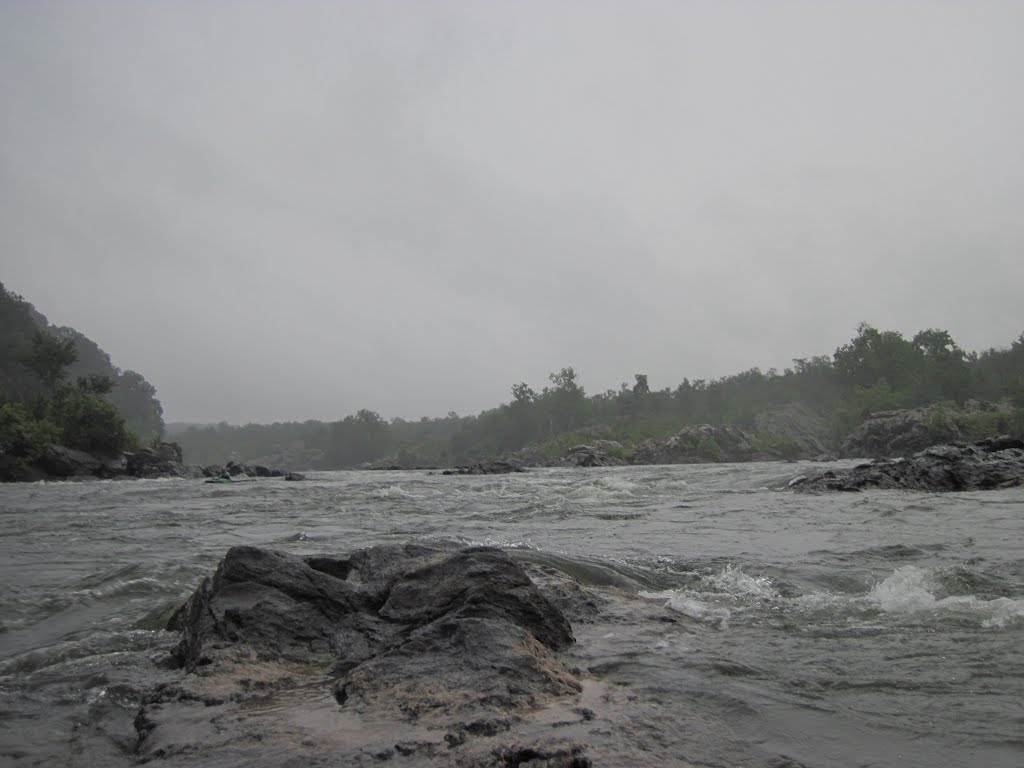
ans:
(600, 453)
(993, 463)
(487, 468)
(797, 427)
(695, 445)
(161, 460)
(154, 461)
(392, 651)
(901, 433)
(60, 461)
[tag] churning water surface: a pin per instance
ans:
(873, 629)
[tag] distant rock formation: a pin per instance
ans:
(993, 463)
(800, 427)
(161, 460)
(155, 461)
(596, 454)
(901, 433)
(487, 468)
(696, 445)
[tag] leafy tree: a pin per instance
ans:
(944, 372)
(23, 436)
(874, 355)
(136, 399)
(88, 421)
(48, 357)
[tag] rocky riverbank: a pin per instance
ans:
(160, 460)
(988, 464)
(412, 654)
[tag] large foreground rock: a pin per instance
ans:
(401, 650)
(994, 463)
(439, 655)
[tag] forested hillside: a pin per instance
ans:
(875, 371)
(58, 386)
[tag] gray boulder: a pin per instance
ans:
(60, 461)
(594, 455)
(394, 646)
(498, 467)
(163, 460)
(695, 445)
(993, 463)
(796, 423)
(901, 433)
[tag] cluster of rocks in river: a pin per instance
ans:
(163, 459)
(397, 654)
(985, 465)
(498, 467)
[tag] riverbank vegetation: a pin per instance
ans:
(58, 387)
(876, 371)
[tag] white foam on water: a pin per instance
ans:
(493, 542)
(719, 595)
(393, 492)
(1005, 611)
(735, 581)
(605, 487)
(911, 589)
(684, 602)
(906, 590)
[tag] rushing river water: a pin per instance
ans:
(873, 629)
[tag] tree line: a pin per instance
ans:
(875, 371)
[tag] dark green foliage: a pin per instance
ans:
(41, 406)
(48, 357)
(88, 421)
(136, 399)
(708, 449)
(22, 435)
(876, 371)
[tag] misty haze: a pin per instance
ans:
(557, 384)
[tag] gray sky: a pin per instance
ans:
(292, 210)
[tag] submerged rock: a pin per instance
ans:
(487, 468)
(993, 463)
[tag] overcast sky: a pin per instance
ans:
(293, 210)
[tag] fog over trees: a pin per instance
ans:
(875, 371)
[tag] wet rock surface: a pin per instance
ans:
(487, 468)
(160, 460)
(699, 444)
(398, 654)
(600, 453)
(900, 433)
(994, 463)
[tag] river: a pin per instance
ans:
(871, 629)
